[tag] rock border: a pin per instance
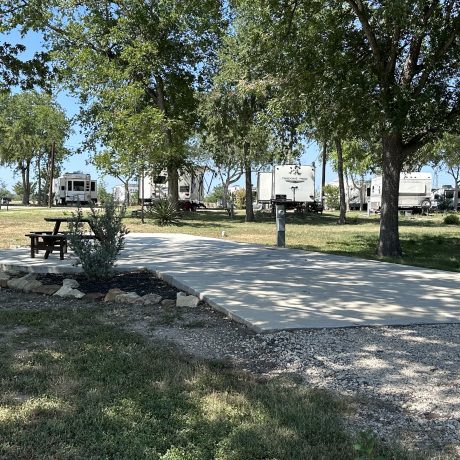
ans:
(12, 279)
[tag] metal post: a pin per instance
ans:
(280, 225)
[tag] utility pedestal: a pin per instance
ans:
(280, 210)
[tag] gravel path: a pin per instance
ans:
(403, 383)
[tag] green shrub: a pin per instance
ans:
(332, 197)
(452, 219)
(163, 213)
(97, 256)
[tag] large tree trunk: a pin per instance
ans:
(343, 204)
(247, 173)
(323, 174)
(173, 184)
(173, 174)
(389, 244)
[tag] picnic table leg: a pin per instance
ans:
(57, 225)
(32, 247)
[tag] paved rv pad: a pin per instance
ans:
(273, 289)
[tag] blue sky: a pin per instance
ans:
(33, 43)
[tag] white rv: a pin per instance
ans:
(75, 188)
(191, 187)
(414, 192)
(446, 197)
(119, 193)
(294, 184)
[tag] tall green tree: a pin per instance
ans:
(30, 122)
(392, 66)
(136, 66)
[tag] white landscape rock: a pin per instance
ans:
(112, 294)
(128, 297)
(31, 285)
(67, 291)
(21, 284)
(184, 300)
(151, 299)
(4, 277)
(71, 283)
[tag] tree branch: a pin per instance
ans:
(391, 63)
(358, 8)
(439, 53)
(410, 66)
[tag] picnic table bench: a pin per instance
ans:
(54, 240)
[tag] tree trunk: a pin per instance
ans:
(343, 204)
(323, 175)
(39, 180)
(247, 173)
(126, 185)
(173, 174)
(362, 193)
(389, 244)
(25, 172)
(173, 184)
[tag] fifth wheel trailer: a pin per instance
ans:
(294, 184)
(75, 188)
(414, 192)
(191, 188)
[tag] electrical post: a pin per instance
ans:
(280, 209)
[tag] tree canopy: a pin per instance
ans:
(30, 123)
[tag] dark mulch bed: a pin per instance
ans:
(142, 282)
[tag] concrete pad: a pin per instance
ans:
(269, 288)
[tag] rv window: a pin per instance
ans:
(69, 185)
(78, 185)
(159, 180)
(184, 189)
(93, 186)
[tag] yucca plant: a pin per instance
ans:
(164, 213)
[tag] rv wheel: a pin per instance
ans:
(426, 205)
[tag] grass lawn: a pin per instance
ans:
(73, 386)
(426, 241)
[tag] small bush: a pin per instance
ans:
(97, 256)
(452, 219)
(163, 213)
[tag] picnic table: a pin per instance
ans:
(55, 239)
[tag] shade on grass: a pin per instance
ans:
(73, 386)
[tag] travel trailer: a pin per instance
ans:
(74, 188)
(119, 193)
(293, 184)
(443, 199)
(191, 188)
(414, 192)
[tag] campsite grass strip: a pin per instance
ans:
(426, 241)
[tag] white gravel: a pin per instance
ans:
(405, 380)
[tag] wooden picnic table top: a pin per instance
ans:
(67, 219)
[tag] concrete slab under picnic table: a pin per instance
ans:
(271, 288)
